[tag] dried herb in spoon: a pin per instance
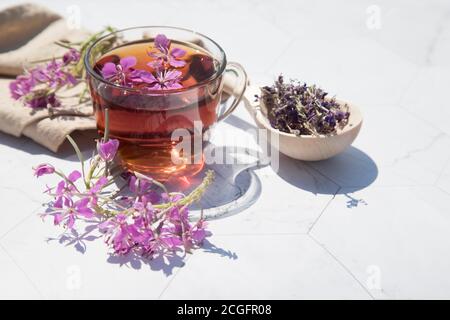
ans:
(300, 109)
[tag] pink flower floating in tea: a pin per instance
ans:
(123, 72)
(134, 218)
(168, 79)
(165, 55)
(165, 76)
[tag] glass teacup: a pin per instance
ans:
(162, 130)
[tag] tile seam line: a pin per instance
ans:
(173, 278)
(346, 269)
(19, 223)
(274, 61)
(287, 234)
(323, 211)
(323, 175)
(2, 247)
(444, 167)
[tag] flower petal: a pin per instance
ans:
(156, 64)
(173, 85)
(99, 184)
(162, 43)
(147, 77)
(82, 203)
(86, 212)
(57, 218)
(155, 86)
(107, 150)
(128, 62)
(74, 176)
(43, 169)
(70, 221)
(109, 70)
(172, 75)
(176, 63)
(177, 52)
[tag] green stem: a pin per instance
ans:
(157, 183)
(80, 156)
(106, 137)
(83, 93)
(67, 46)
(91, 171)
(45, 60)
(106, 132)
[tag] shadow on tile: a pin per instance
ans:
(80, 242)
(166, 264)
(234, 188)
(85, 141)
(353, 170)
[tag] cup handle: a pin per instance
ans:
(230, 87)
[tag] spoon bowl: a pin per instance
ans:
(306, 147)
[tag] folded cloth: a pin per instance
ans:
(28, 34)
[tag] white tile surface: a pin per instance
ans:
(444, 180)
(371, 222)
(248, 272)
(399, 235)
(16, 206)
(14, 283)
(432, 103)
(389, 153)
(80, 268)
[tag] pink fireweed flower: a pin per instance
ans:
(167, 79)
(96, 189)
(165, 55)
(43, 169)
(22, 86)
(64, 189)
(121, 233)
(123, 73)
(166, 241)
(107, 150)
(138, 186)
(71, 210)
(70, 56)
(199, 232)
(37, 87)
(54, 75)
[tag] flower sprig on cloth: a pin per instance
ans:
(38, 87)
(140, 216)
(302, 110)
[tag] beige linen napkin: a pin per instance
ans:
(28, 34)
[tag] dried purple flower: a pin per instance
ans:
(302, 110)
